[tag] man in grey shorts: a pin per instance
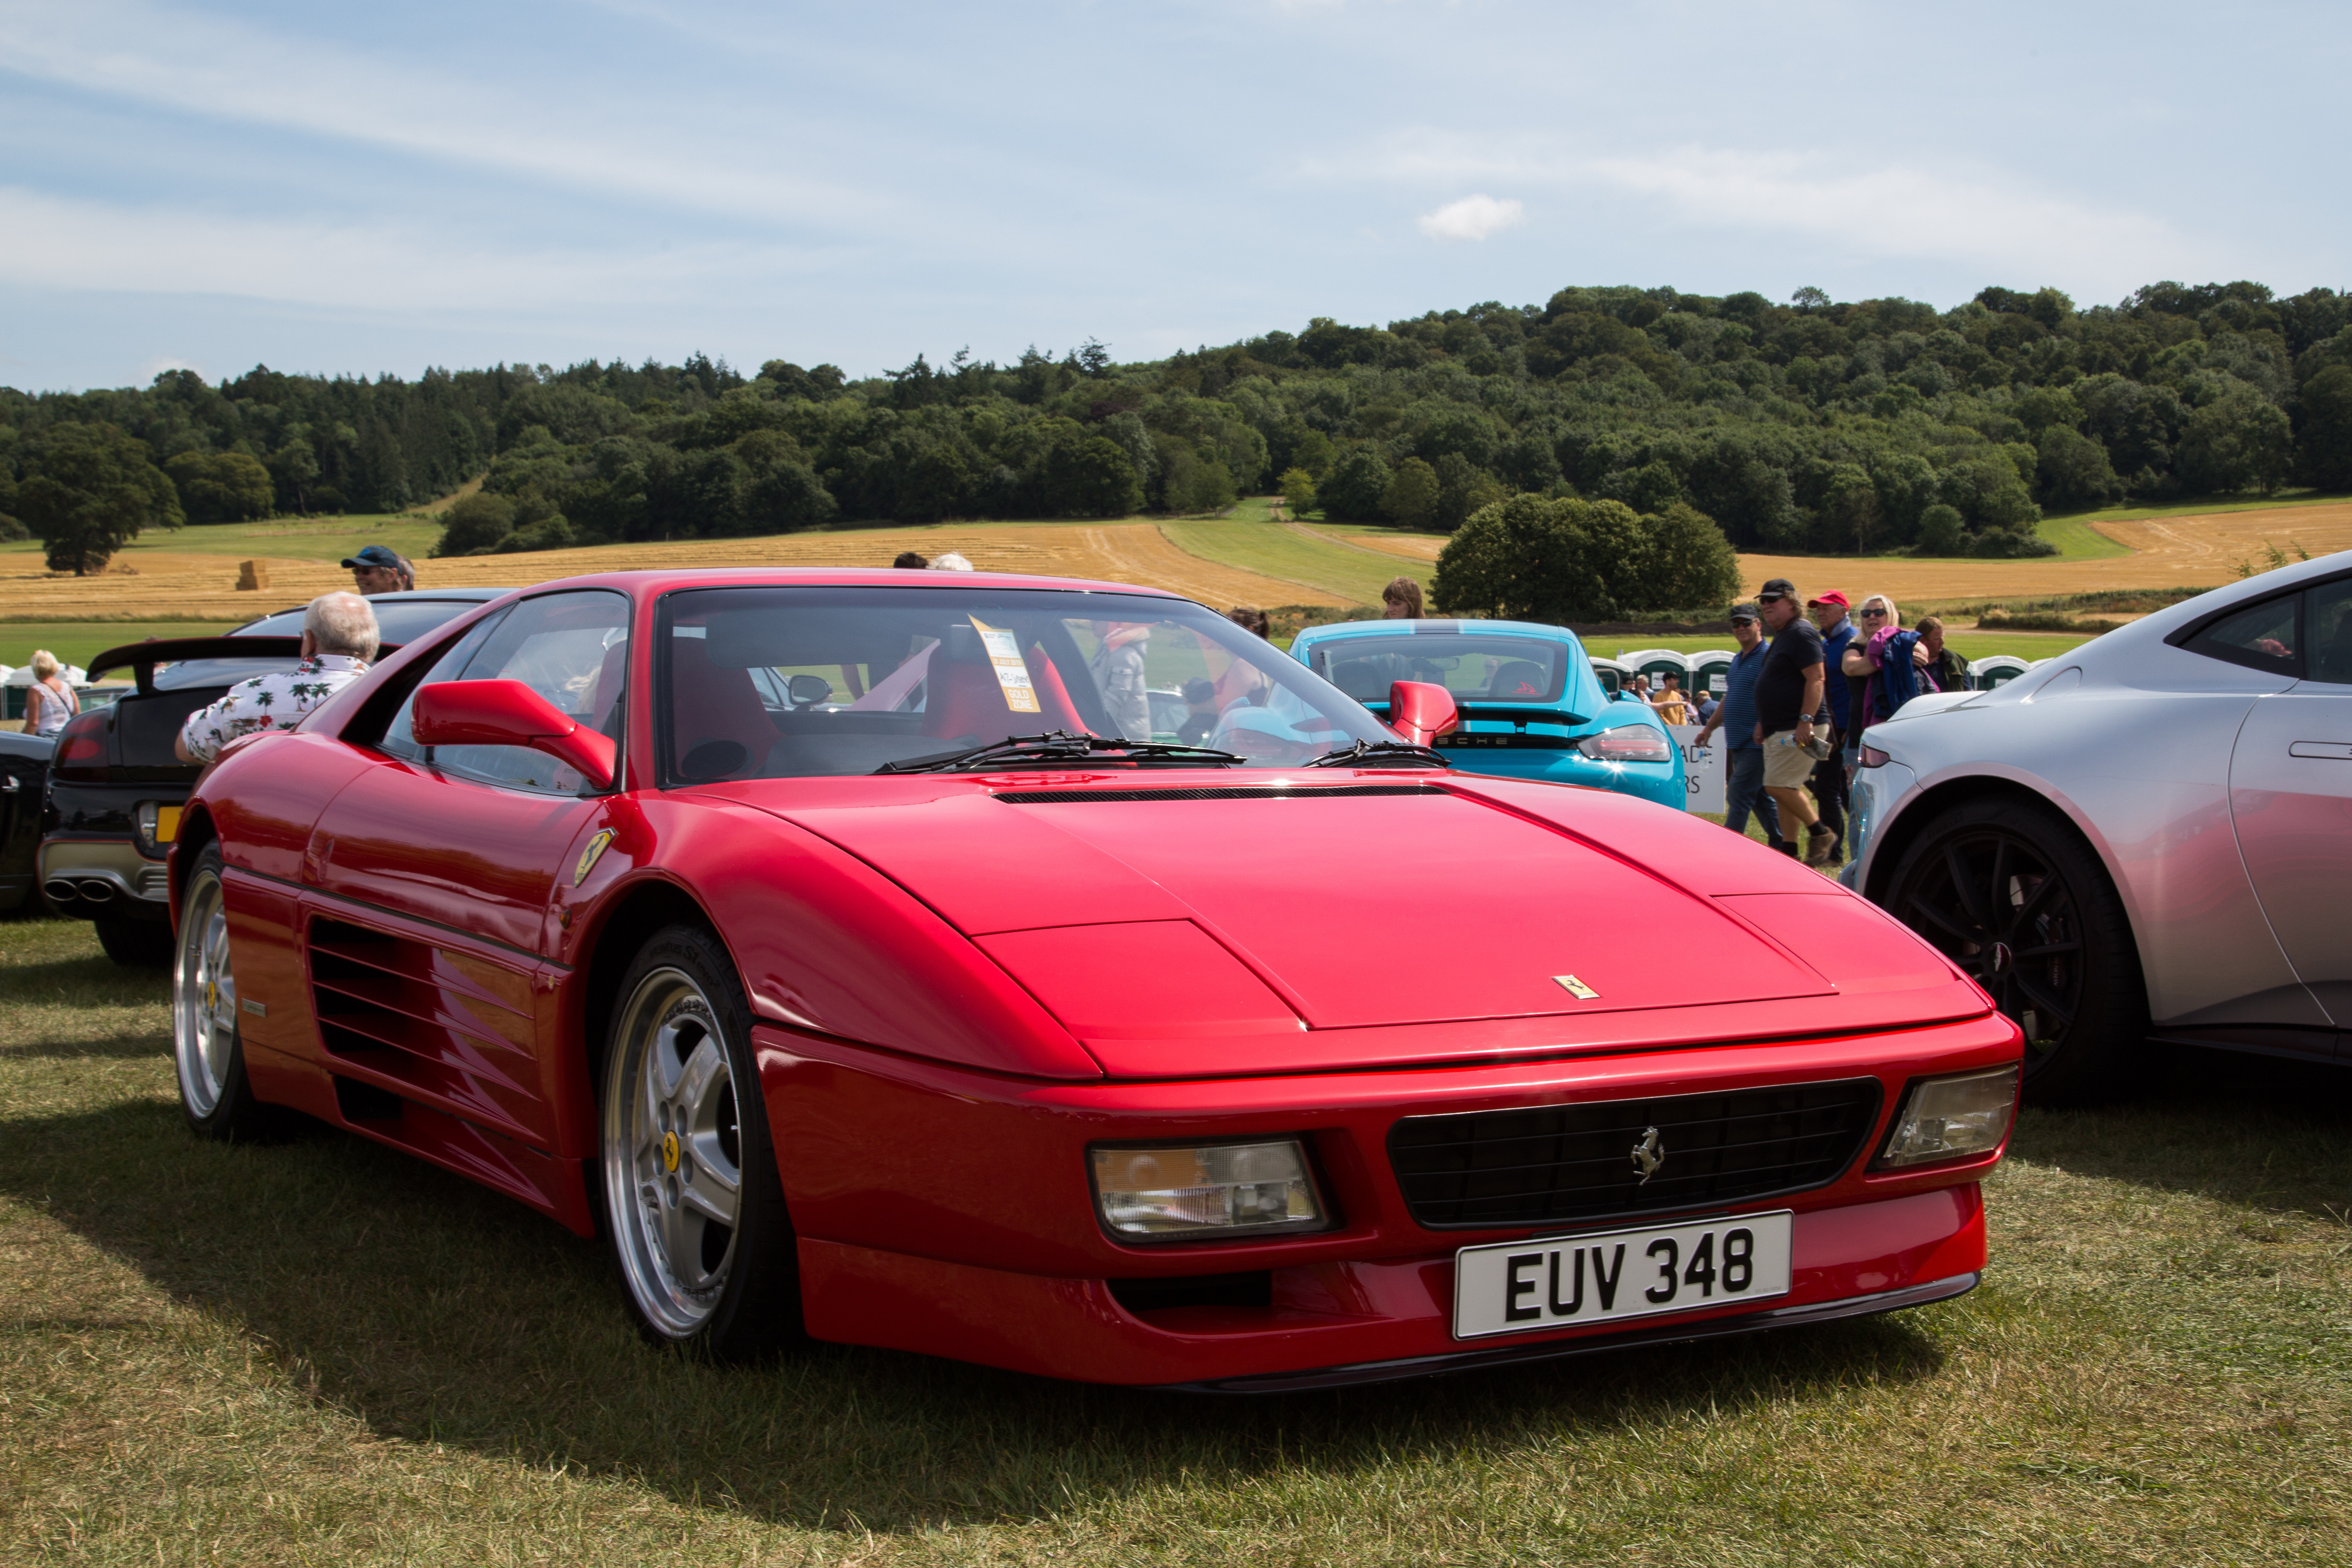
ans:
(1788, 713)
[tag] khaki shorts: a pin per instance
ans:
(1787, 765)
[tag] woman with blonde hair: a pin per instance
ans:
(1864, 661)
(49, 702)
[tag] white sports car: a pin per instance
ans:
(2150, 837)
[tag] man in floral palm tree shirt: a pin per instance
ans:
(338, 638)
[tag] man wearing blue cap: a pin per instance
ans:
(377, 570)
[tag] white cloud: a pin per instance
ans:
(58, 243)
(1473, 217)
(214, 67)
(155, 367)
(1882, 208)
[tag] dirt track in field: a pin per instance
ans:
(2199, 551)
(163, 586)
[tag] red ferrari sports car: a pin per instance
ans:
(849, 950)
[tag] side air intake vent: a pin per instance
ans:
(1210, 792)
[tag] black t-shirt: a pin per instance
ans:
(1781, 684)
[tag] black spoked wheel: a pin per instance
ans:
(2013, 898)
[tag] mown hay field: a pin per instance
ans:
(320, 1351)
(2191, 550)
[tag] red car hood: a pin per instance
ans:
(1147, 909)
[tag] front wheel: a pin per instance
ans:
(692, 1201)
(207, 1050)
(2008, 892)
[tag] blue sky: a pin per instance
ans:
(369, 189)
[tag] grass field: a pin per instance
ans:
(320, 1351)
(2078, 540)
(77, 642)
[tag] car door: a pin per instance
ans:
(2291, 784)
(435, 870)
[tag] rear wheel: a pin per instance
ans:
(692, 1201)
(2008, 892)
(206, 1049)
(136, 944)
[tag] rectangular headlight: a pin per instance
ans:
(1951, 1119)
(1205, 1191)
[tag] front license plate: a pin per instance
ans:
(1561, 1282)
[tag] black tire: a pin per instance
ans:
(208, 1046)
(697, 1272)
(135, 944)
(2005, 889)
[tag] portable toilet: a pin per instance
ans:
(1996, 669)
(1657, 663)
(1710, 670)
(1613, 677)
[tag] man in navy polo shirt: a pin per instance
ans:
(1743, 783)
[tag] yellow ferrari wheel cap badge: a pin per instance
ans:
(670, 1152)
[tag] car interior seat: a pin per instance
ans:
(1518, 681)
(965, 703)
(719, 727)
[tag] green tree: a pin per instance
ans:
(1095, 478)
(1296, 488)
(90, 489)
(1942, 532)
(221, 487)
(2324, 453)
(1411, 498)
(1532, 558)
(1352, 491)
(476, 525)
(2239, 439)
(2075, 470)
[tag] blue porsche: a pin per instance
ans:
(1531, 706)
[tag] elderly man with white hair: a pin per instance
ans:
(339, 639)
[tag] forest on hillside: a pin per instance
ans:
(1808, 427)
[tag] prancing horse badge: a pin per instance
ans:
(590, 856)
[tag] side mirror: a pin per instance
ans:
(1420, 710)
(508, 713)
(805, 689)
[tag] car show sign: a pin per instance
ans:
(1703, 767)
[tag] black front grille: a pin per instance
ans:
(1206, 792)
(1557, 1164)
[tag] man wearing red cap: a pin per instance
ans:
(1823, 847)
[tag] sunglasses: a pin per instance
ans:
(1875, 615)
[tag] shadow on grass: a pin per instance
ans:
(2265, 1132)
(120, 1048)
(431, 1310)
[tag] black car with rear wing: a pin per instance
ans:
(24, 779)
(115, 789)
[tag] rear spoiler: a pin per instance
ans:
(144, 657)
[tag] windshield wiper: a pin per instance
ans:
(1059, 747)
(1379, 754)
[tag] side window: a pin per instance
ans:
(571, 649)
(2267, 636)
(398, 739)
(2327, 620)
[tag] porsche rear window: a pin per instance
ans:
(1475, 668)
(769, 682)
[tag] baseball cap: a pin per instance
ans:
(1832, 597)
(1778, 588)
(374, 555)
(1745, 612)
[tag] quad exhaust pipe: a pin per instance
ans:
(63, 891)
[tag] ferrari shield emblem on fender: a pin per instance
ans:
(590, 856)
(1576, 988)
(1649, 1154)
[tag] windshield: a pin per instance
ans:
(1476, 667)
(791, 682)
(397, 621)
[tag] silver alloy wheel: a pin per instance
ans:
(673, 1174)
(204, 997)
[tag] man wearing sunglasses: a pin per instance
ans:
(1789, 709)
